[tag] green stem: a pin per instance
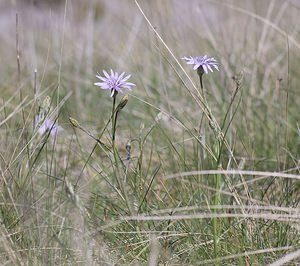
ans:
(120, 181)
(217, 202)
(113, 117)
(216, 221)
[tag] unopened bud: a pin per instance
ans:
(46, 104)
(74, 122)
(122, 103)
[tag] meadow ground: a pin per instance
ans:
(175, 176)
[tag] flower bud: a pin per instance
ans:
(74, 122)
(122, 103)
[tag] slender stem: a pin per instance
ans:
(200, 72)
(35, 98)
(217, 198)
(113, 119)
(201, 82)
(217, 202)
(18, 50)
(120, 182)
(216, 221)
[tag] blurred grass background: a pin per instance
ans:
(60, 203)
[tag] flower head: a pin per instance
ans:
(205, 62)
(45, 125)
(114, 82)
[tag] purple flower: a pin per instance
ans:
(114, 82)
(45, 125)
(206, 62)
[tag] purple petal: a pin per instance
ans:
(121, 76)
(209, 67)
(102, 78)
(196, 66)
(106, 74)
(127, 77)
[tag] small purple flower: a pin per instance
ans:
(205, 61)
(46, 125)
(114, 82)
(202, 64)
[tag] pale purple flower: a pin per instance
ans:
(206, 62)
(45, 125)
(114, 82)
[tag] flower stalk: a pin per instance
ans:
(116, 84)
